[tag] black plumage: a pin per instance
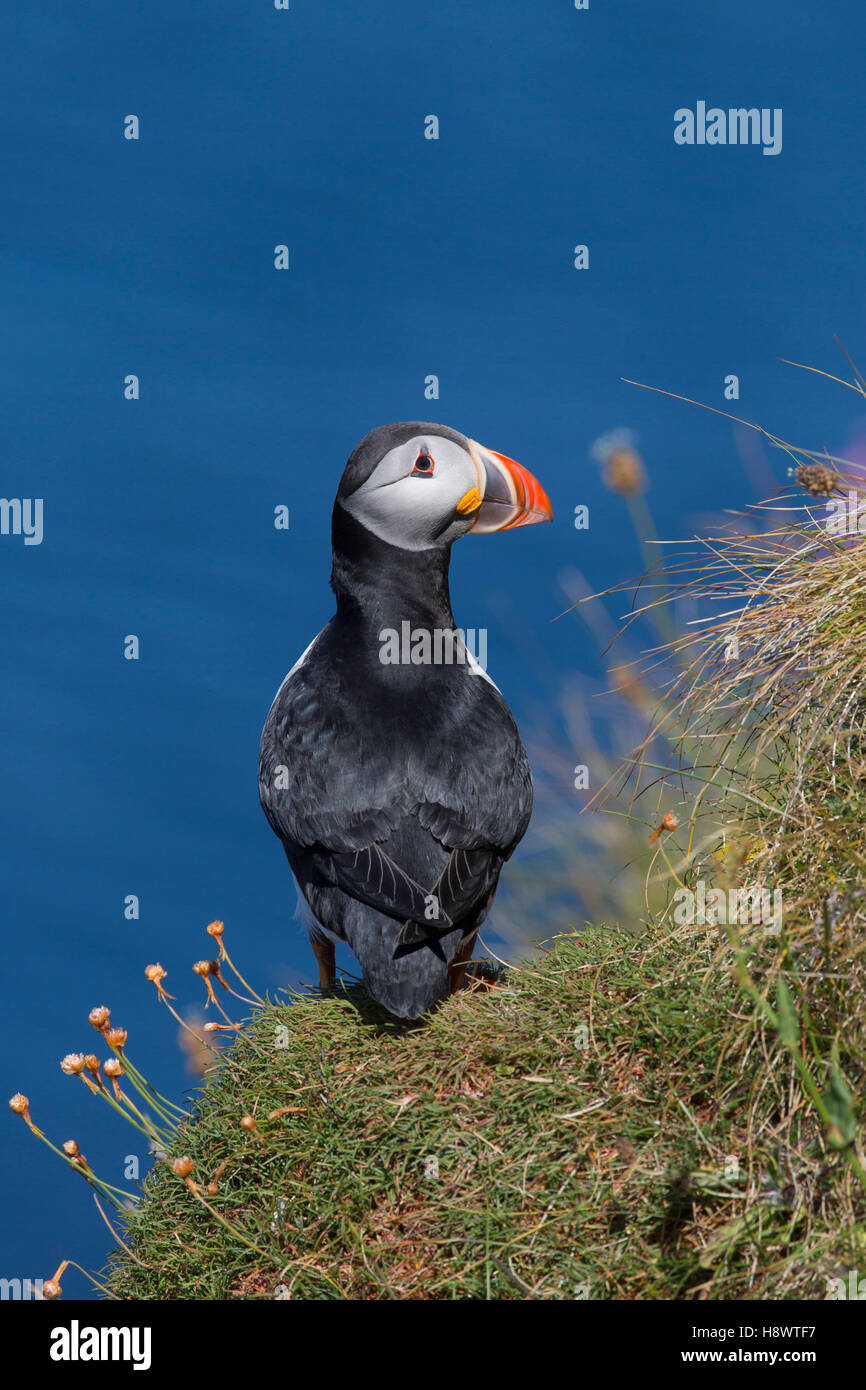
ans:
(398, 791)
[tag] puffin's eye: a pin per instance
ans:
(424, 464)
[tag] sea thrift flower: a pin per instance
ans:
(249, 1125)
(216, 930)
(182, 1166)
(215, 970)
(213, 1186)
(73, 1063)
(156, 975)
(116, 1038)
(202, 968)
(20, 1105)
(114, 1070)
(669, 821)
(99, 1017)
(92, 1065)
(624, 471)
(71, 1149)
(51, 1288)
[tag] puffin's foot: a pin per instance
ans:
(324, 953)
(457, 968)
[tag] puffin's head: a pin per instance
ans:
(420, 485)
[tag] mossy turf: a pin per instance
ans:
(610, 1121)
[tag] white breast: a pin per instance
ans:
(297, 666)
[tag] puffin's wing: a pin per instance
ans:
(371, 876)
(465, 881)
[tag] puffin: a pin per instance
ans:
(391, 770)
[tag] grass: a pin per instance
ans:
(666, 1108)
(606, 1123)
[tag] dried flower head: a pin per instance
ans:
(182, 1166)
(71, 1149)
(216, 929)
(51, 1289)
(624, 471)
(73, 1063)
(92, 1063)
(116, 1038)
(99, 1017)
(249, 1125)
(215, 970)
(669, 821)
(213, 1186)
(156, 975)
(113, 1068)
(816, 478)
(626, 682)
(20, 1105)
(203, 969)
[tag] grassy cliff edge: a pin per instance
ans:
(614, 1120)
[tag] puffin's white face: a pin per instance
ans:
(424, 493)
(432, 489)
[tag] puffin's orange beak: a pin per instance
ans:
(507, 495)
